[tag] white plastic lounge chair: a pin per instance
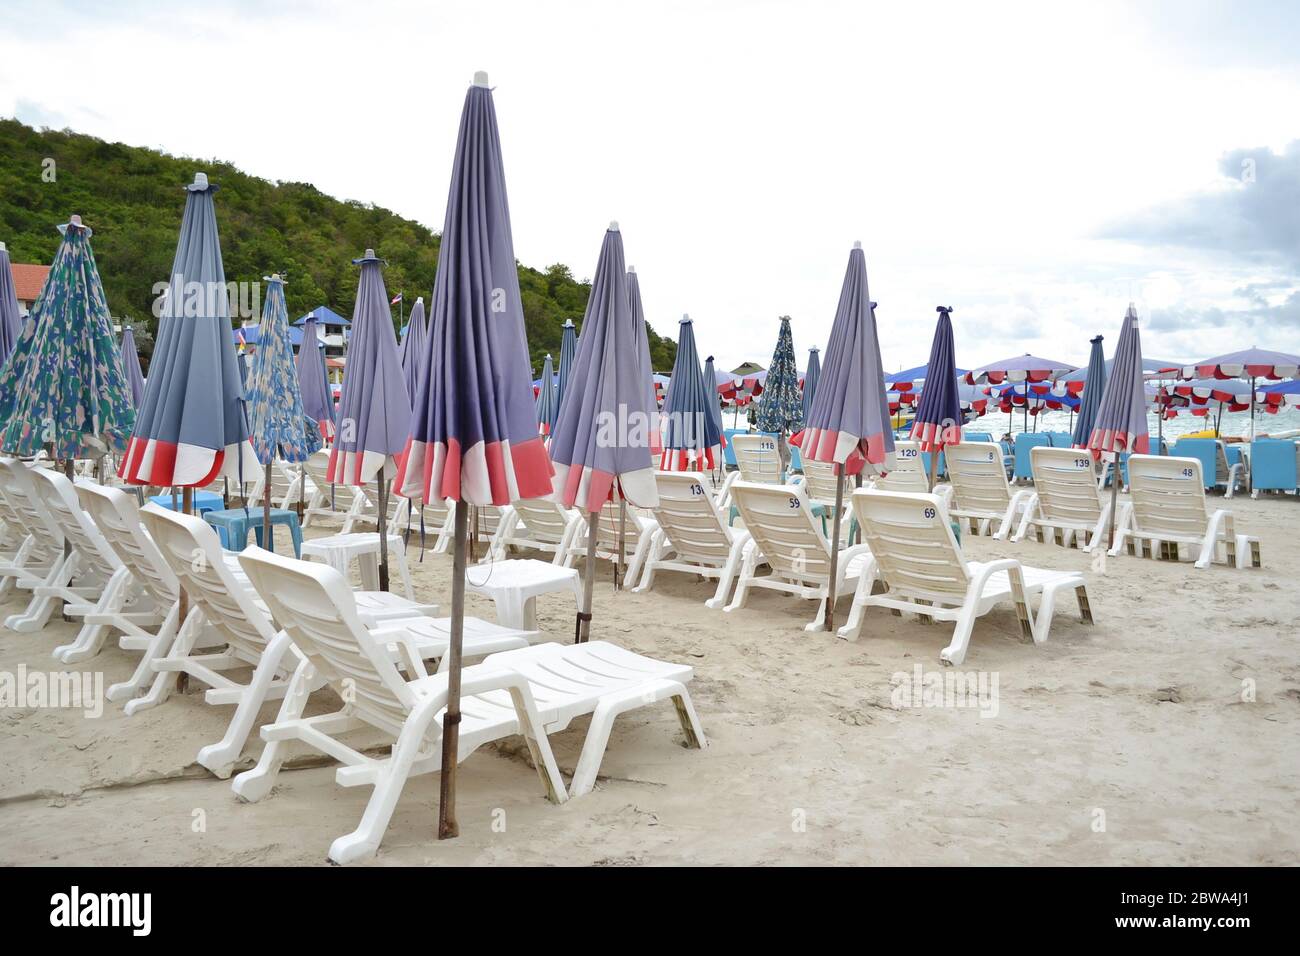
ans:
(1066, 499)
(980, 491)
(757, 459)
(37, 554)
(498, 700)
(51, 589)
(338, 502)
(340, 550)
(1169, 509)
(537, 524)
(636, 539)
(917, 558)
(107, 597)
(693, 536)
(221, 601)
(286, 486)
(785, 533)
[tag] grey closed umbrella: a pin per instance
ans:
(546, 397)
(644, 371)
(411, 351)
(9, 326)
(568, 349)
(131, 366)
(1094, 386)
(1121, 424)
(811, 378)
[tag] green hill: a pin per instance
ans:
(131, 196)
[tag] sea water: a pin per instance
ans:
(1233, 423)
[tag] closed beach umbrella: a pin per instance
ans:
(313, 382)
(568, 349)
(810, 379)
(1094, 387)
(644, 371)
(191, 426)
(130, 357)
(601, 442)
(9, 321)
(411, 351)
(713, 379)
(848, 424)
(1121, 424)
(692, 436)
(781, 410)
(62, 387)
(938, 418)
(474, 429)
(374, 409)
(546, 398)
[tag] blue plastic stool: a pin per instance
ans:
(232, 527)
(204, 501)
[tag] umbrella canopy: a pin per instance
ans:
(374, 409)
(130, 357)
(692, 439)
(568, 350)
(849, 420)
(810, 379)
(9, 324)
(1094, 388)
(313, 383)
(1019, 368)
(781, 409)
(938, 416)
(1075, 382)
(911, 378)
(1250, 363)
(192, 426)
(62, 385)
(546, 397)
(641, 344)
(1121, 424)
(411, 351)
(1273, 397)
(711, 378)
(601, 440)
(474, 433)
(275, 413)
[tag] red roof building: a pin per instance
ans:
(28, 280)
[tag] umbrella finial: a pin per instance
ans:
(201, 180)
(631, 270)
(613, 225)
(74, 220)
(2, 247)
(480, 78)
(685, 318)
(370, 253)
(857, 244)
(945, 309)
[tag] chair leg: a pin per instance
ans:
(253, 785)
(220, 757)
(363, 842)
(727, 576)
(165, 681)
(90, 639)
(40, 608)
(1085, 609)
(652, 559)
(853, 626)
(157, 647)
(638, 556)
(746, 575)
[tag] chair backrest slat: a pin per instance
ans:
(758, 458)
(781, 522)
(1168, 495)
(911, 540)
(59, 496)
(979, 480)
(1066, 485)
(117, 515)
(688, 515)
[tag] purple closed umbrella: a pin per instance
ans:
(938, 416)
(1094, 386)
(411, 351)
(473, 433)
(191, 426)
(568, 349)
(848, 423)
(692, 436)
(644, 371)
(374, 411)
(1121, 424)
(313, 382)
(546, 397)
(712, 380)
(9, 322)
(601, 442)
(131, 366)
(810, 379)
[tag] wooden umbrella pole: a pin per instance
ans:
(381, 522)
(583, 630)
(447, 827)
(266, 508)
(622, 544)
(835, 548)
(302, 488)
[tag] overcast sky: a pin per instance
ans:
(1034, 166)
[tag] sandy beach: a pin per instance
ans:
(1135, 741)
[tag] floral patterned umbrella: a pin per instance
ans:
(275, 414)
(130, 357)
(63, 384)
(9, 323)
(781, 410)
